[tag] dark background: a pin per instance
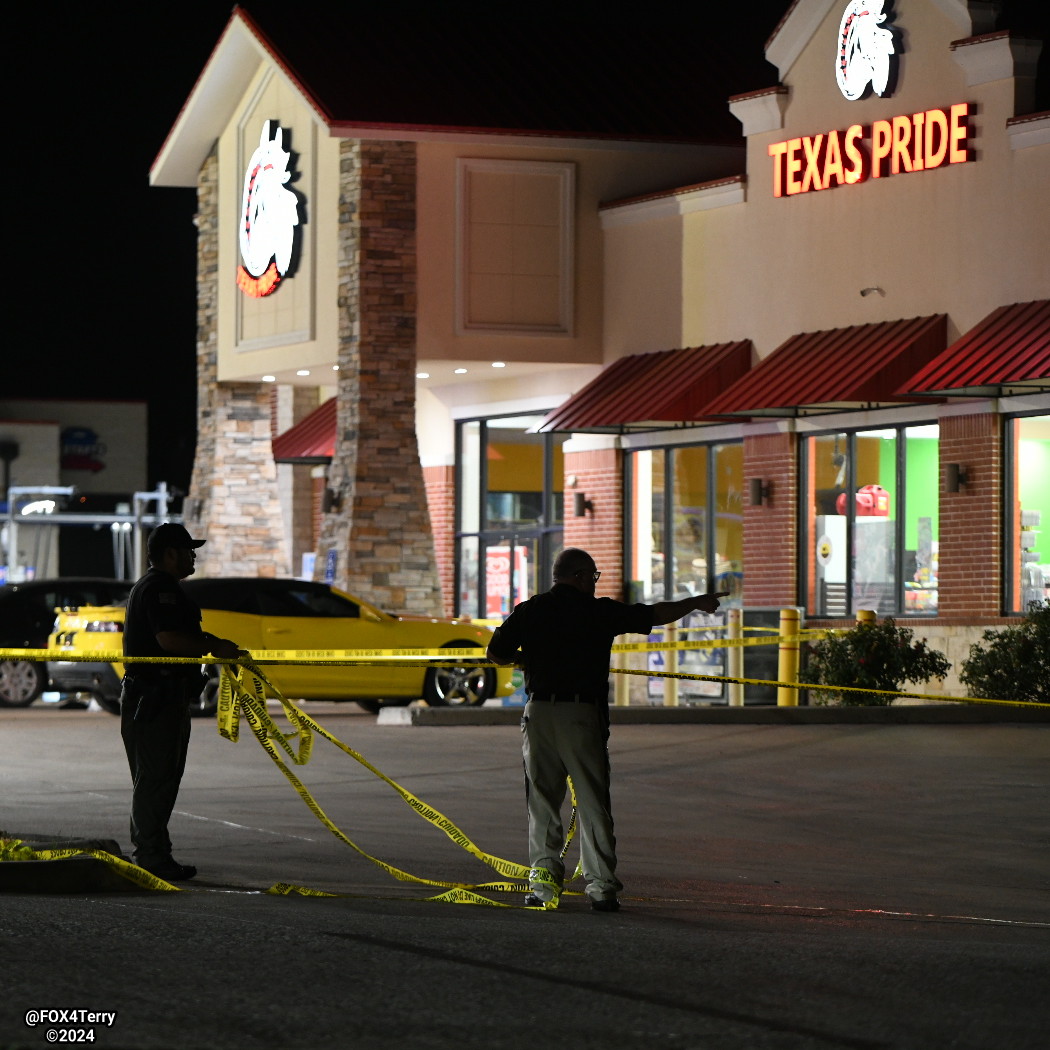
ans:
(102, 300)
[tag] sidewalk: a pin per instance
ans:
(905, 714)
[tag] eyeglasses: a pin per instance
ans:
(583, 572)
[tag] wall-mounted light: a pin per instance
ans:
(954, 476)
(760, 491)
(582, 504)
(865, 292)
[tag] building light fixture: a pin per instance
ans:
(954, 476)
(460, 371)
(760, 491)
(303, 372)
(422, 375)
(269, 379)
(499, 364)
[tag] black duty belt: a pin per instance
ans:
(564, 698)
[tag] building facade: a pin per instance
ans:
(811, 367)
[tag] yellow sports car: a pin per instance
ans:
(261, 614)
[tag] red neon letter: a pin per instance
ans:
(794, 166)
(856, 171)
(811, 177)
(777, 151)
(957, 151)
(917, 119)
(936, 138)
(881, 143)
(833, 161)
(901, 141)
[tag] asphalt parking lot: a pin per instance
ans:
(786, 886)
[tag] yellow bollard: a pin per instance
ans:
(866, 616)
(735, 657)
(671, 684)
(787, 665)
(621, 683)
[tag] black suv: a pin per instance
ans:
(27, 617)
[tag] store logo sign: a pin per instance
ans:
(82, 450)
(930, 138)
(866, 55)
(269, 217)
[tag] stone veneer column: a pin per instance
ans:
(233, 500)
(771, 530)
(380, 527)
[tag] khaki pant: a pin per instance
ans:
(559, 740)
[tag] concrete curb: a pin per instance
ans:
(73, 875)
(68, 875)
(907, 714)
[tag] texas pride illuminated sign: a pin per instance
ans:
(930, 138)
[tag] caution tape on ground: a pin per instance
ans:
(243, 690)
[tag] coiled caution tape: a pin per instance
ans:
(243, 690)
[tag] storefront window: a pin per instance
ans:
(1028, 500)
(877, 550)
(686, 502)
(510, 512)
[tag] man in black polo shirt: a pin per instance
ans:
(155, 698)
(563, 640)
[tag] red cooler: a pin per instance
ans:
(873, 501)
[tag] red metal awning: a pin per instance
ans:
(652, 390)
(1007, 353)
(836, 370)
(311, 440)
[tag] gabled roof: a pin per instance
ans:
(424, 71)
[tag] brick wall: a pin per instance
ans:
(440, 484)
(599, 474)
(380, 529)
(771, 530)
(970, 534)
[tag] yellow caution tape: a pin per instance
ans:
(242, 691)
(829, 688)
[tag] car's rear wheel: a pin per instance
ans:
(459, 684)
(21, 682)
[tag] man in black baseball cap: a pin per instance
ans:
(161, 621)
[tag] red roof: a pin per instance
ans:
(311, 440)
(670, 386)
(1008, 352)
(843, 368)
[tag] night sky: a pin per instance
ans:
(103, 296)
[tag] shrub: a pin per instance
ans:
(876, 655)
(1016, 663)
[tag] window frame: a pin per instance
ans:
(806, 537)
